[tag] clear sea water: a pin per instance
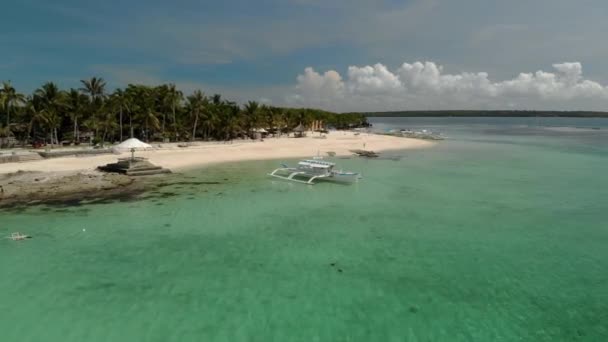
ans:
(498, 234)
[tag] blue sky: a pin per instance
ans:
(260, 49)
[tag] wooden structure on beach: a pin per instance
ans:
(134, 166)
(299, 131)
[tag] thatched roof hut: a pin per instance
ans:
(299, 131)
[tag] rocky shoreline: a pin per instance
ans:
(30, 188)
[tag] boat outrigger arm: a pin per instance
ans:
(307, 171)
(293, 172)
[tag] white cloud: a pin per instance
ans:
(426, 86)
(318, 90)
(372, 79)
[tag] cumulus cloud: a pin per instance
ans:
(320, 89)
(372, 79)
(426, 86)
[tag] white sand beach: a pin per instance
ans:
(200, 154)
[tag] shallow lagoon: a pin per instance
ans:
(497, 234)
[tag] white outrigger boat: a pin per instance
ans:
(309, 170)
(18, 236)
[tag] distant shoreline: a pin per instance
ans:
(485, 113)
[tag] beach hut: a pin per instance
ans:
(259, 133)
(299, 131)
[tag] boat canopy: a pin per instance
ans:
(317, 164)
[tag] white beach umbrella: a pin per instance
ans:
(132, 144)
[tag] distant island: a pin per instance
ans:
(487, 113)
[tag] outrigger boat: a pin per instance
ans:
(309, 170)
(18, 236)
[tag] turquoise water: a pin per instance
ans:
(498, 234)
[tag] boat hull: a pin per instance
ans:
(297, 176)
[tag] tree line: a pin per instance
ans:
(53, 116)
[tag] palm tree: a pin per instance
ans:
(232, 121)
(174, 97)
(160, 104)
(107, 122)
(52, 101)
(53, 121)
(150, 120)
(76, 104)
(268, 113)
(197, 103)
(216, 99)
(95, 87)
(210, 119)
(36, 114)
(280, 119)
(250, 111)
(143, 106)
(92, 123)
(10, 98)
(54, 112)
(133, 93)
(121, 100)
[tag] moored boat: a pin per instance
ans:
(310, 170)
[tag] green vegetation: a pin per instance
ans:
(54, 116)
(488, 113)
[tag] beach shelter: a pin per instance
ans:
(299, 131)
(132, 144)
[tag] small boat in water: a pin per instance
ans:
(309, 170)
(18, 236)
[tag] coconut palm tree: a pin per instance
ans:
(232, 123)
(210, 120)
(10, 98)
(216, 99)
(94, 87)
(250, 112)
(280, 119)
(150, 120)
(143, 107)
(268, 116)
(52, 101)
(107, 123)
(53, 121)
(120, 99)
(133, 95)
(76, 104)
(36, 114)
(54, 112)
(174, 98)
(197, 104)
